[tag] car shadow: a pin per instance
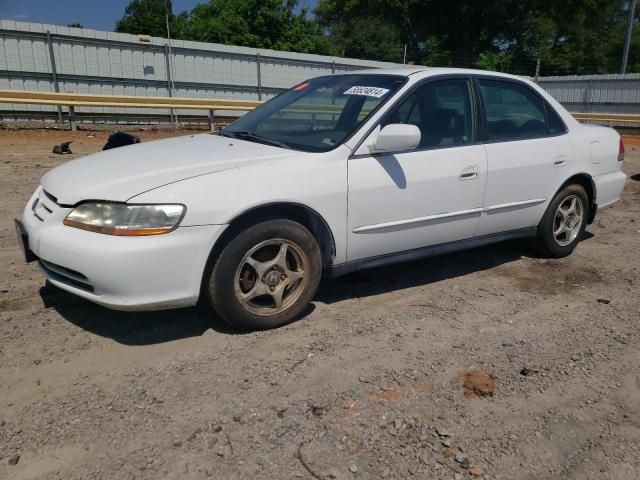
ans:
(138, 328)
(420, 272)
(146, 328)
(133, 328)
(429, 270)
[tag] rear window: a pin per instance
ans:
(515, 112)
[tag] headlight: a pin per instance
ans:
(124, 219)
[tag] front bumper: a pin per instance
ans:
(123, 273)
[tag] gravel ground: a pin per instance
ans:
(485, 364)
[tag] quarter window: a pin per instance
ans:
(441, 110)
(554, 124)
(515, 112)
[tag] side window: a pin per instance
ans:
(555, 126)
(441, 110)
(514, 112)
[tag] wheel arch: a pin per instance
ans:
(303, 214)
(586, 181)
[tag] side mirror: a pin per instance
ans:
(397, 137)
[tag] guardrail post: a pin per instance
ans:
(333, 67)
(212, 121)
(169, 87)
(259, 77)
(72, 118)
(54, 74)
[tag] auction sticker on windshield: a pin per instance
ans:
(367, 91)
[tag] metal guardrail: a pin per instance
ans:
(608, 117)
(73, 100)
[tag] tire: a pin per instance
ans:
(266, 276)
(561, 229)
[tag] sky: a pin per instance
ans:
(96, 14)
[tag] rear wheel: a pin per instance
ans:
(564, 222)
(266, 276)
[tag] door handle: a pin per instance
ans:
(560, 161)
(469, 173)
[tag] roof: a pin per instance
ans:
(423, 71)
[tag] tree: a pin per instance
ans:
(573, 36)
(146, 17)
(257, 23)
(75, 25)
(569, 37)
(453, 32)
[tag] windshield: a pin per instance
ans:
(318, 114)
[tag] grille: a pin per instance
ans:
(44, 205)
(66, 275)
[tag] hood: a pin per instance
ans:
(121, 173)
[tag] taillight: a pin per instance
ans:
(621, 151)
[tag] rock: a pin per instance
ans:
(439, 459)
(194, 434)
(450, 453)
(442, 432)
(13, 460)
(318, 410)
(353, 468)
(476, 471)
(603, 301)
(461, 458)
(575, 357)
(386, 472)
(446, 442)
(526, 371)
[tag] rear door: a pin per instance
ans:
(431, 195)
(528, 154)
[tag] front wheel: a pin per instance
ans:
(563, 223)
(266, 276)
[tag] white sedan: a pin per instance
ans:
(339, 173)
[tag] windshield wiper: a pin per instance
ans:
(250, 136)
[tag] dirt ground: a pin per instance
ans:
(485, 364)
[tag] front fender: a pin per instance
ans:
(317, 181)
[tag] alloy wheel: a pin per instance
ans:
(568, 220)
(271, 277)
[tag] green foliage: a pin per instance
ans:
(568, 36)
(257, 23)
(251, 23)
(75, 25)
(146, 17)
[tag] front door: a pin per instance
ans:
(427, 196)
